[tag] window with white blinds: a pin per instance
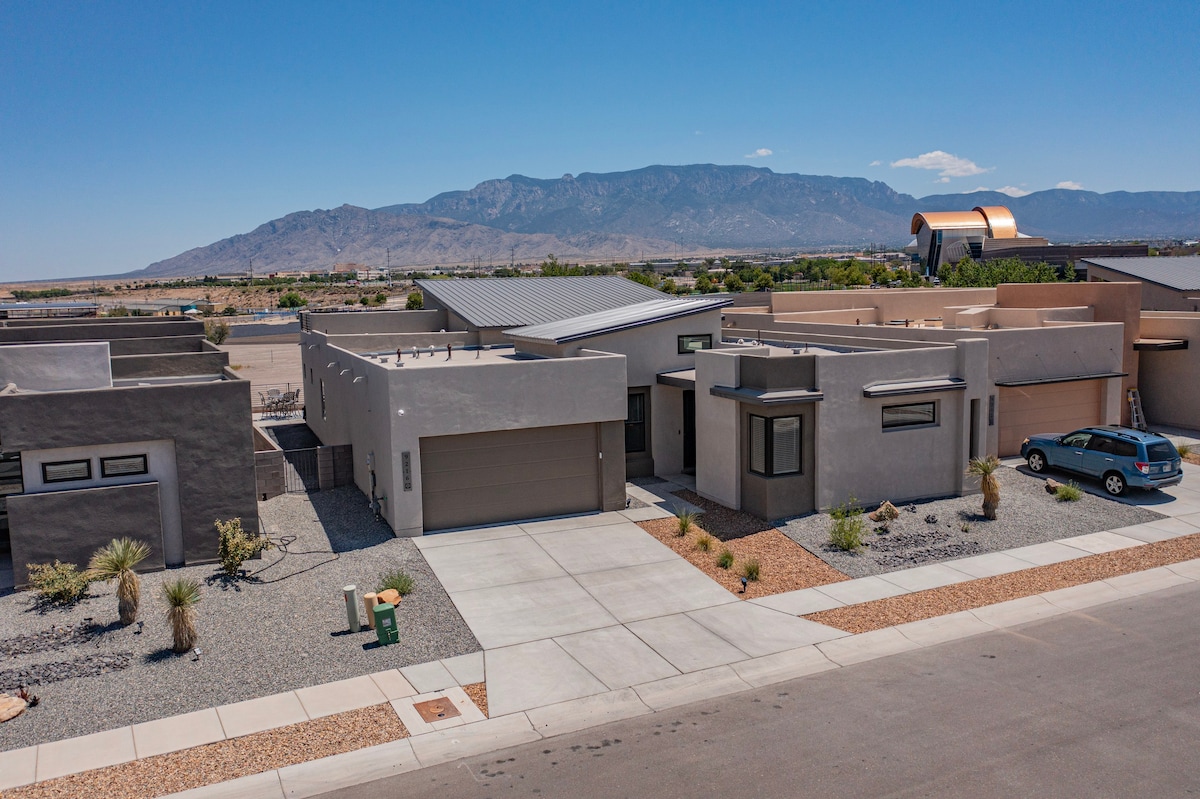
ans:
(775, 445)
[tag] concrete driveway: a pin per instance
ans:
(572, 607)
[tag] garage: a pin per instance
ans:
(1046, 408)
(499, 476)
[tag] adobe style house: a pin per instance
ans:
(781, 409)
(119, 427)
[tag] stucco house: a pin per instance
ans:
(115, 427)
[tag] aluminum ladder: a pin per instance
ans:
(1136, 417)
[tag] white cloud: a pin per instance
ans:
(698, 133)
(761, 152)
(942, 180)
(1012, 191)
(876, 162)
(977, 188)
(1068, 184)
(947, 165)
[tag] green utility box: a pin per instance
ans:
(385, 624)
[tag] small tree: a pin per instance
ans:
(117, 561)
(181, 597)
(292, 299)
(733, 283)
(236, 546)
(216, 331)
(985, 469)
(415, 301)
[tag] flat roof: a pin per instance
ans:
(1180, 272)
(615, 319)
(491, 302)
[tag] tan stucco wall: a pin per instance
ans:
(1169, 380)
(916, 303)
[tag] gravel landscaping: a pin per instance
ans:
(282, 628)
(945, 529)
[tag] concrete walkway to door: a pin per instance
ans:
(574, 607)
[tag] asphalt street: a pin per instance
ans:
(1103, 703)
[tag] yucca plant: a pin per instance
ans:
(985, 469)
(181, 596)
(117, 561)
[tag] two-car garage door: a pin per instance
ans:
(480, 478)
(1046, 408)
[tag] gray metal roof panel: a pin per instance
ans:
(610, 321)
(1181, 272)
(516, 302)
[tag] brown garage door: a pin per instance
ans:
(480, 478)
(1046, 408)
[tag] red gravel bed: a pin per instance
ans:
(881, 613)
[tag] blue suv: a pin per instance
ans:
(1120, 456)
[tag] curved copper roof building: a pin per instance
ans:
(997, 220)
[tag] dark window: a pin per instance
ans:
(1125, 449)
(1162, 451)
(635, 424)
(66, 471)
(1077, 440)
(693, 343)
(322, 398)
(775, 445)
(1102, 444)
(911, 415)
(123, 466)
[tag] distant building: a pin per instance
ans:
(949, 236)
(990, 233)
(1168, 284)
(46, 310)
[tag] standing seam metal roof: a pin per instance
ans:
(1181, 272)
(630, 316)
(519, 301)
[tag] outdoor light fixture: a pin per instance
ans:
(331, 364)
(343, 372)
(744, 582)
(362, 377)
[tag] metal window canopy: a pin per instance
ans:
(758, 396)
(1160, 344)
(1038, 381)
(915, 387)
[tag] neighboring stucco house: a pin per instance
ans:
(115, 427)
(1168, 284)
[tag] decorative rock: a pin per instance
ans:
(391, 596)
(1052, 486)
(886, 513)
(931, 519)
(11, 707)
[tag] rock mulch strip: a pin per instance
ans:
(944, 529)
(880, 613)
(226, 760)
(477, 692)
(725, 524)
(57, 671)
(281, 629)
(784, 566)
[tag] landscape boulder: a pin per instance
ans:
(885, 513)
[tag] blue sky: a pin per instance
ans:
(132, 131)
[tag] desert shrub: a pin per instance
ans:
(1183, 449)
(117, 561)
(236, 546)
(725, 559)
(58, 582)
(846, 530)
(1070, 492)
(398, 580)
(684, 521)
(704, 542)
(750, 569)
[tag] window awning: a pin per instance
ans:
(758, 396)
(682, 378)
(1158, 344)
(915, 387)
(1037, 381)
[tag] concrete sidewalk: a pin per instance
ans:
(589, 619)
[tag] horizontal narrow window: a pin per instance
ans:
(66, 471)
(123, 466)
(774, 445)
(693, 343)
(911, 415)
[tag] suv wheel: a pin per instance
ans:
(1114, 484)
(1036, 461)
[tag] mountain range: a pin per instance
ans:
(658, 211)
